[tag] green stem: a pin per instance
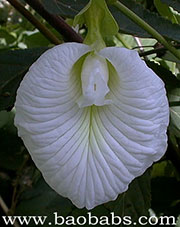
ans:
(94, 17)
(123, 41)
(146, 27)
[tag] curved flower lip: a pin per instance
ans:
(91, 154)
(94, 78)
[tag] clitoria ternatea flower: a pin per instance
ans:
(92, 122)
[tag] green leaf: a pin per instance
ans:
(13, 66)
(72, 7)
(165, 11)
(7, 36)
(165, 196)
(162, 25)
(178, 221)
(66, 8)
(40, 199)
(123, 40)
(170, 80)
(5, 117)
(173, 3)
(163, 168)
(11, 151)
(136, 201)
(35, 39)
(175, 110)
(170, 57)
(3, 14)
(172, 85)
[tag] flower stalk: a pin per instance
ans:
(146, 27)
(99, 21)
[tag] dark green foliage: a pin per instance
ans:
(66, 8)
(173, 3)
(13, 66)
(173, 90)
(166, 28)
(162, 25)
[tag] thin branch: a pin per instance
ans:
(56, 21)
(138, 42)
(6, 210)
(3, 205)
(141, 49)
(154, 51)
(43, 29)
(159, 50)
(144, 46)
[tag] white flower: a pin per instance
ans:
(92, 122)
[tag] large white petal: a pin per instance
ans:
(138, 118)
(91, 154)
